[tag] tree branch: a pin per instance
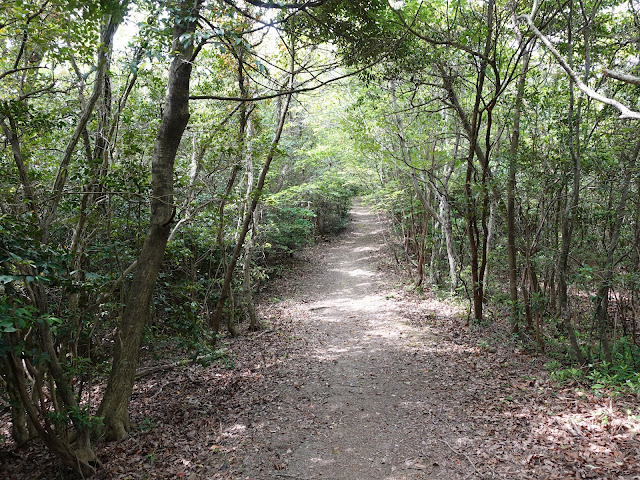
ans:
(14, 70)
(625, 112)
(623, 77)
(284, 6)
(285, 93)
(107, 35)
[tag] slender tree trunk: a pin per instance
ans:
(602, 295)
(115, 404)
(473, 234)
(511, 187)
(248, 215)
(10, 130)
(425, 200)
(568, 217)
(421, 250)
(239, 53)
(19, 429)
(447, 224)
(489, 241)
(436, 253)
(59, 448)
(247, 291)
(474, 217)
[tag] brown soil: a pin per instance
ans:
(355, 378)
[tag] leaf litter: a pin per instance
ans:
(355, 377)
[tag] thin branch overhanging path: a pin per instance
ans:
(287, 92)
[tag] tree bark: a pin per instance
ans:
(19, 429)
(247, 291)
(445, 213)
(511, 187)
(490, 232)
(115, 404)
(11, 132)
(568, 217)
(602, 296)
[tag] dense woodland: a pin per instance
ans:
(161, 161)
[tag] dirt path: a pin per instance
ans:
(382, 386)
(363, 390)
(357, 379)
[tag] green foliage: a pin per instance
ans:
(80, 417)
(623, 375)
(15, 315)
(563, 375)
(327, 200)
(181, 292)
(147, 424)
(286, 229)
(392, 132)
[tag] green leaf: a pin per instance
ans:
(7, 326)
(9, 278)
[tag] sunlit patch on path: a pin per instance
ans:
(383, 386)
(364, 385)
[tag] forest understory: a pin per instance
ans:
(356, 377)
(165, 167)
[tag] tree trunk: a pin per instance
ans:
(447, 224)
(19, 428)
(602, 295)
(489, 240)
(568, 216)
(248, 215)
(473, 234)
(421, 251)
(247, 292)
(511, 187)
(475, 216)
(59, 448)
(10, 130)
(115, 404)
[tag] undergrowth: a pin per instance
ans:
(620, 376)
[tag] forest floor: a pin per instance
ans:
(355, 378)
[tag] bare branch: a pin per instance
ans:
(625, 112)
(14, 70)
(623, 77)
(431, 40)
(312, 3)
(288, 92)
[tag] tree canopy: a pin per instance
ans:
(161, 160)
